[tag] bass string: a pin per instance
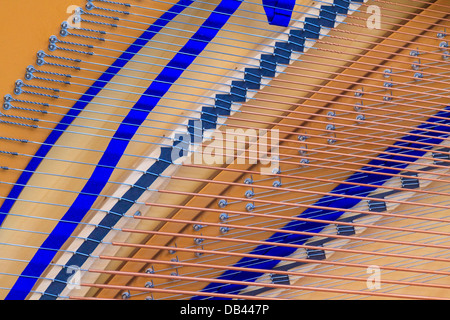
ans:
(321, 261)
(369, 260)
(248, 214)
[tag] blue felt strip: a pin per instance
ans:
(296, 40)
(279, 12)
(208, 120)
(118, 144)
(336, 204)
(85, 100)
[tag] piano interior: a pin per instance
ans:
(224, 149)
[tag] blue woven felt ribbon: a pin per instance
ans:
(66, 121)
(279, 12)
(208, 120)
(337, 203)
(115, 149)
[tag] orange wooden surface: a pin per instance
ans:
(25, 26)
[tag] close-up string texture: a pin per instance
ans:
(225, 149)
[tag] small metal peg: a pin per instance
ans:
(199, 241)
(6, 106)
(172, 251)
(197, 227)
(304, 161)
(445, 55)
(199, 254)
(222, 203)
(276, 184)
(8, 98)
(360, 118)
(249, 194)
(223, 217)
(224, 229)
(63, 32)
(331, 114)
(359, 93)
(77, 18)
(40, 54)
(40, 61)
(302, 151)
